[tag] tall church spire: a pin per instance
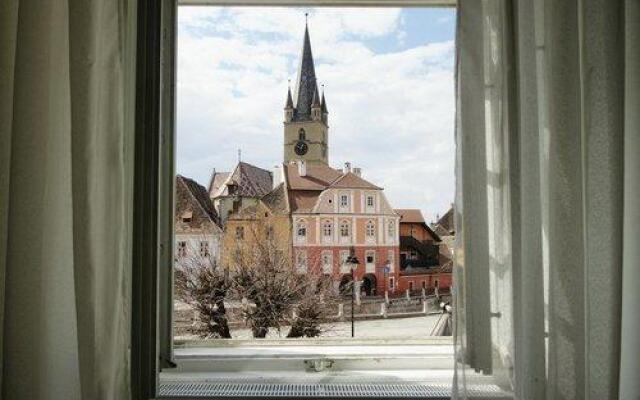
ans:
(306, 84)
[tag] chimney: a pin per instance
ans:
(347, 167)
(278, 176)
(302, 168)
(357, 171)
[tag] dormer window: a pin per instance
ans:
(187, 216)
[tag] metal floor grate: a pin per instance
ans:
(319, 390)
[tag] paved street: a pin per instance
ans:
(398, 328)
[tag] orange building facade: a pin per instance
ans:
(335, 213)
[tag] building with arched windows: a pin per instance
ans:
(333, 212)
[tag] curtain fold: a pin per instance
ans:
(66, 172)
(555, 179)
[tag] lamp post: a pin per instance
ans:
(387, 269)
(353, 262)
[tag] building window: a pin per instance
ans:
(391, 260)
(413, 255)
(370, 229)
(301, 261)
(302, 135)
(327, 262)
(344, 255)
(187, 216)
(344, 200)
(239, 232)
(391, 283)
(370, 257)
(424, 284)
(327, 229)
(269, 233)
(204, 249)
(392, 229)
(344, 229)
(370, 201)
(301, 230)
(412, 286)
(182, 249)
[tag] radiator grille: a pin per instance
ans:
(319, 390)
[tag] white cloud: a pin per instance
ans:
(390, 113)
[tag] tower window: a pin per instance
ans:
(239, 232)
(302, 135)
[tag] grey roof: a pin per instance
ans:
(217, 180)
(289, 103)
(306, 84)
(324, 104)
(200, 194)
(276, 200)
(250, 181)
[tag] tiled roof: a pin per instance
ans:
(414, 216)
(276, 200)
(217, 180)
(353, 181)
(410, 215)
(250, 180)
(303, 200)
(318, 177)
(202, 197)
(446, 222)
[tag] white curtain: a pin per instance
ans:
(66, 167)
(548, 198)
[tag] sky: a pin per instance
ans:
(389, 85)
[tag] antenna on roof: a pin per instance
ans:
(239, 155)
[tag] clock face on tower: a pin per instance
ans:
(301, 148)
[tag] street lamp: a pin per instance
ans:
(352, 262)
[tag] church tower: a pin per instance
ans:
(305, 114)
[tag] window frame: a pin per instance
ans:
(154, 171)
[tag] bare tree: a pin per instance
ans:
(200, 283)
(280, 293)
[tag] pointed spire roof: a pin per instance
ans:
(289, 103)
(306, 84)
(315, 102)
(324, 104)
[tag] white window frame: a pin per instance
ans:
(344, 205)
(327, 231)
(302, 231)
(370, 230)
(373, 201)
(345, 239)
(205, 249)
(370, 267)
(327, 262)
(166, 161)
